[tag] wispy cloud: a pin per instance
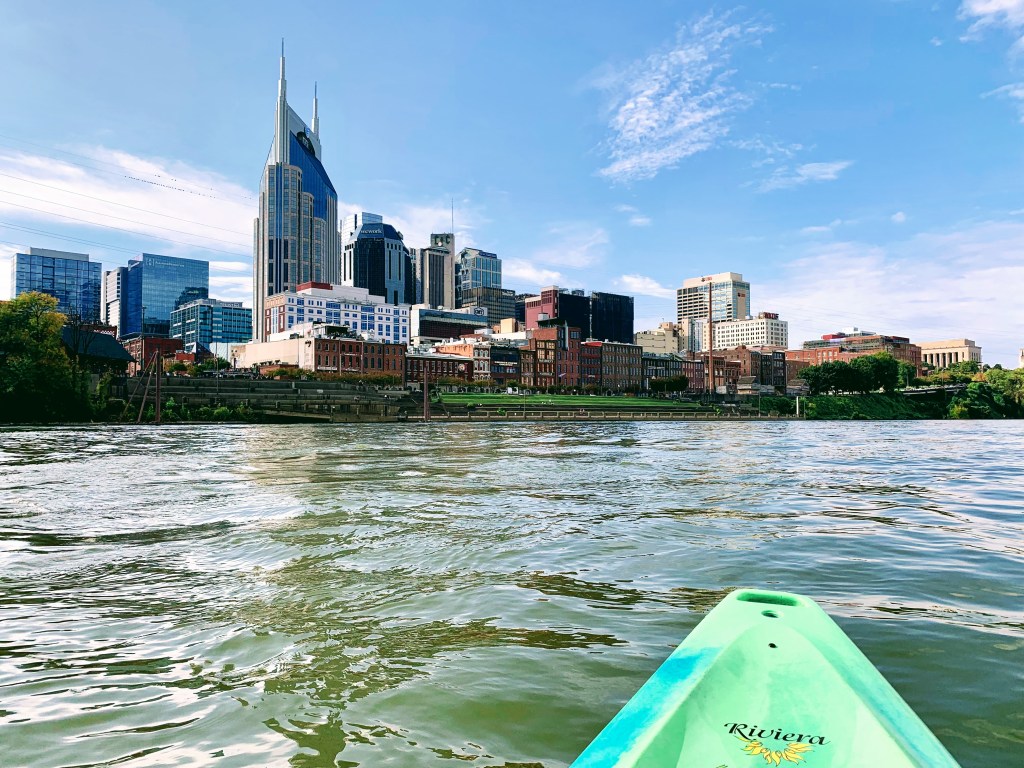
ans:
(787, 178)
(575, 245)
(676, 102)
(898, 218)
(637, 219)
(1014, 92)
(646, 286)
(769, 151)
(819, 229)
(983, 14)
(972, 272)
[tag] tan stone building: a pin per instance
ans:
(666, 339)
(942, 354)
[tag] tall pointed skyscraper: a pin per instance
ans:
(296, 236)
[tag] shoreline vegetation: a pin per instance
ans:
(44, 381)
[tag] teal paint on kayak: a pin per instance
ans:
(767, 678)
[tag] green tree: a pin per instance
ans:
(35, 373)
(885, 372)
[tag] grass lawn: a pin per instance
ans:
(563, 401)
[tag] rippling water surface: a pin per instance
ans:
(487, 595)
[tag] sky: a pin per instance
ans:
(860, 164)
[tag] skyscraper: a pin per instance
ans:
(375, 257)
(153, 287)
(730, 298)
(435, 271)
(296, 233)
(69, 277)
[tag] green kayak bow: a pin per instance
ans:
(767, 678)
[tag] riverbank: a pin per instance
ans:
(194, 400)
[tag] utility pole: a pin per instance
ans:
(426, 393)
(711, 343)
(157, 364)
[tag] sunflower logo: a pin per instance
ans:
(793, 753)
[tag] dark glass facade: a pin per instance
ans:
(611, 317)
(381, 263)
(155, 286)
(70, 278)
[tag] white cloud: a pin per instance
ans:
(232, 288)
(936, 42)
(6, 260)
(418, 221)
(575, 245)
(898, 218)
(526, 272)
(823, 228)
(676, 102)
(646, 286)
(786, 178)
(953, 284)
(626, 208)
(1014, 92)
(130, 203)
(983, 14)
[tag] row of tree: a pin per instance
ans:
(862, 375)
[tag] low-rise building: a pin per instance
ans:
(666, 339)
(323, 349)
(144, 348)
(853, 343)
(765, 330)
(435, 366)
(942, 354)
(428, 324)
(621, 365)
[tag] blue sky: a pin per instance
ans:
(859, 163)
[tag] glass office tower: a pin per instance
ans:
(69, 277)
(154, 286)
(211, 321)
(295, 236)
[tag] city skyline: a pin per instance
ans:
(859, 165)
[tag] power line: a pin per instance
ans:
(119, 218)
(129, 231)
(113, 202)
(124, 175)
(65, 237)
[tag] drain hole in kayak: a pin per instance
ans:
(772, 598)
(770, 614)
(772, 645)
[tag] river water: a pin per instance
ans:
(487, 595)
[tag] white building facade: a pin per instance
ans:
(765, 330)
(364, 314)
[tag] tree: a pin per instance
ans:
(885, 370)
(671, 384)
(35, 373)
(907, 374)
